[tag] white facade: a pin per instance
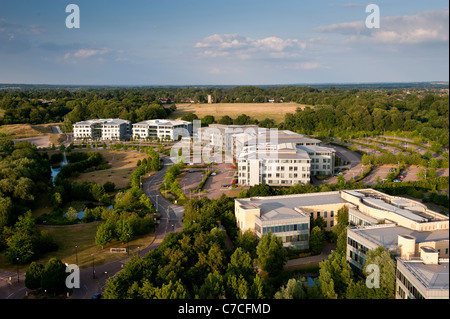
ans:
(102, 129)
(277, 158)
(162, 129)
(276, 165)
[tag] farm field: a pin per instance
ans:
(122, 165)
(259, 111)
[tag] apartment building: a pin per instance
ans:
(288, 217)
(220, 136)
(102, 129)
(281, 164)
(162, 129)
(417, 237)
(277, 158)
(425, 277)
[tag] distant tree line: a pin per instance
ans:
(332, 111)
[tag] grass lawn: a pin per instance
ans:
(123, 163)
(83, 236)
(259, 111)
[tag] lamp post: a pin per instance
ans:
(93, 269)
(17, 269)
(128, 250)
(76, 254)
(157, 202)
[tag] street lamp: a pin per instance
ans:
(76, 254)
(17, 269)
(93, 270)
(157, 202)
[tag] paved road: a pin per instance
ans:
(171, 220)
(312, 260)
(93, 279)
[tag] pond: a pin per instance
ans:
(81, 213)
(56, 170)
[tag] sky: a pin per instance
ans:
(222, 42)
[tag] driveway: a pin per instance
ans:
(312, 260)
(41, 141)
(93, 279)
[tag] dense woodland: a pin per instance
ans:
(209, 258)
(332, 112)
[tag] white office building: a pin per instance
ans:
(102, 129)
(162, 129)
(274, 157)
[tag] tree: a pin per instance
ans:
(53, 278)
(241, 263)
(109, 187)
(294, 289)
(271, 254)
(172, 290)
(386, 265)
(33, 276)
(208, 119)
(213, 287)
(335, 274)
(317, 239)
(105, 233)
(72, 214)
(20, 248)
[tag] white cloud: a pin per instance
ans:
(239, 46)
(423, 27)
(85, 53)
(309, 66)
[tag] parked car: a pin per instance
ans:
(97, 296)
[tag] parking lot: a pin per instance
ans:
(381, 171)
(217, 183)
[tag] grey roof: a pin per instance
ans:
(431, 276)
(274, 154)
(388, 236)
(163, 122)
(315, 148)
(289, 206)
(296, 200)
(379, 203)
(102, 121)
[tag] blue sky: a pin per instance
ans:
(181, 42)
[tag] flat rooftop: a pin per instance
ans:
(296, 200)
(433, 277)
(162, 122)
(102, 121)
(388, 236)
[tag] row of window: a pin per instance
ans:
(285, 228)
(283, 181)
(357, 245)
(294, 238)
(408, 285)
(357, 258)
(325, 214)
(316, 166)
(317, 160)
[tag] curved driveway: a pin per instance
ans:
(93, 279)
